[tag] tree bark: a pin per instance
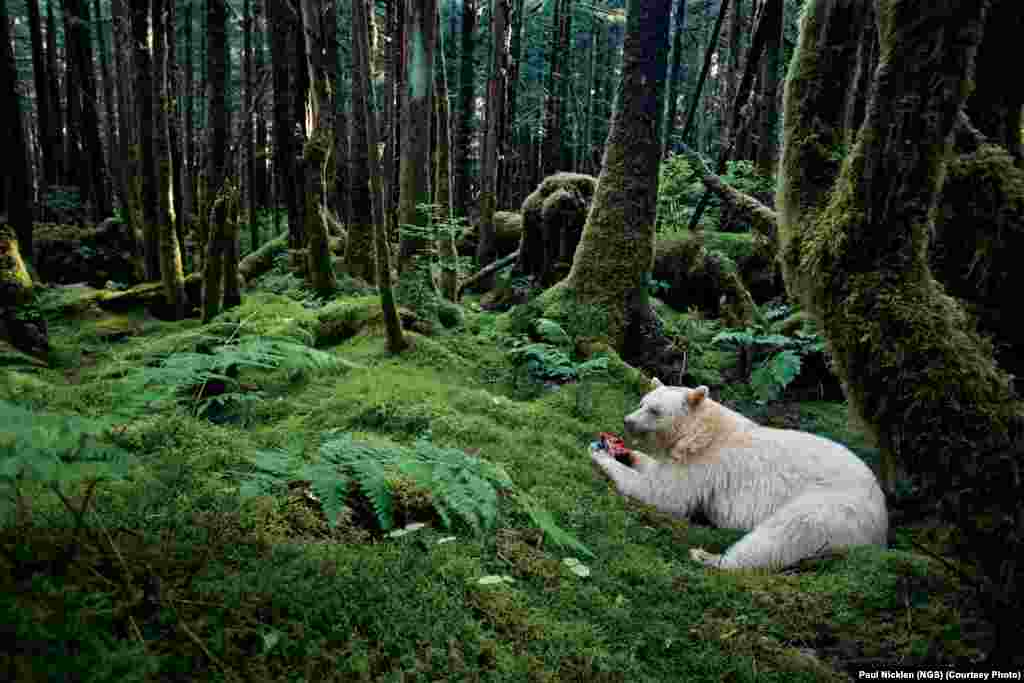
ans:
(361, 260)
(46, 132)
(393, 326)
(467, 90)
(416, 284)
(217, 187)
(18, 188)
(855, 238)
(146, 178)
(768, 139)
(605, 286)
(674, 76)
(487, 249)
(317, 154)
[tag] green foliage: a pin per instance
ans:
(538, 362)
(678, 190)
(463, 488)
(53, 449)
(772, 360)
(190, 374)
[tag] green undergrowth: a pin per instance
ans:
(201, 557)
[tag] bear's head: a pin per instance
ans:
(671, 415)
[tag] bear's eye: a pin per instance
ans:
(654, 411)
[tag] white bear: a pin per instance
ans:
(798, 494)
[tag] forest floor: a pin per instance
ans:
(170, 574)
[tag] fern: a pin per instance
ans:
(463, 488)
(54, 449)
(775, 374)
(190, 373)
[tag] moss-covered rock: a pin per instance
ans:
(553, 219)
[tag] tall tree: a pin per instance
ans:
(46, 131)
(675, 75)
(855, 236)
(416, 286)
(465, 108)
(362, 257)
(93, 169)
(110, 119)
(219, 188)
(121, 35)
(487, 248)
(15, 188)
(619, 232)
(393, 326)
(768, 128)
(56, 113)
(171, 272)
(318, 152)
(443, 174)
(146, 177)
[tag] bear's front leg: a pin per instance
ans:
(628, 481)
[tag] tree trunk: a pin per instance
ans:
(248, 148)
(93, 171)
(361, 259)
(708, 54)
(487, 248)
(146, 178)
(443, 178)
(674, 74)
(217, 184)
(605, 286)
(171, 273)
(993, 107)
(361, 35)
(467, 97)
(317, 154)
(53, 92)
(855, 237)
(552, 154)
(108, 99)
(18, 189)
(41, 80)
(768, 134)
(416, 283)
(125, 165)
(172, 78)
(284, 90)
(188, 180)
(732, 69)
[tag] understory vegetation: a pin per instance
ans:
(257, 499)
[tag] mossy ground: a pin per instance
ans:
(177, 578)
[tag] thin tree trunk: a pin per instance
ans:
(712, 46)
(362, 257)
(57, 118)
(46, 142)
(443, 177)
(487, 249)
(467, 90)
(674, 76)
(93, 171)
(122, 41)
(768, 134)
(393, 326)
(171, 272)
(108, 98)
(146, 178)
(188, 180)
(217, 172)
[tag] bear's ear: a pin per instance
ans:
(695, 396)
(656, 383)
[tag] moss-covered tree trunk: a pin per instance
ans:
(317, 155)
(361, 36)
(171, 272)
(617, 247)
(416, 283)
(855, 240)
(443, 180)
(22, 323)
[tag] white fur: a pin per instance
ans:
(800, 495)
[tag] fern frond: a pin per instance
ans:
(546, 523)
